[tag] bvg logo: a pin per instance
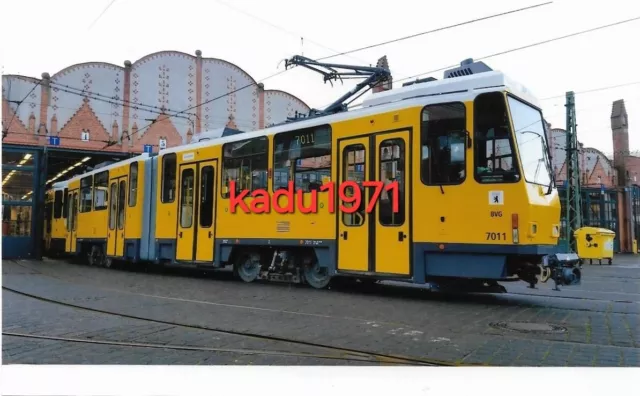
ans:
(496, 213)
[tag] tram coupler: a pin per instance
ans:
(563, 268)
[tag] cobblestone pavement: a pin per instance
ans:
(599, 321)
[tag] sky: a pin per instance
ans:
(257, 35)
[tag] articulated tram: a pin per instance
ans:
(475, 203)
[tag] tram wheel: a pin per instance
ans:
(248, 267)
(107, 262)
(316, 276)
(93, 258)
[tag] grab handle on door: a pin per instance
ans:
(344, 235)
(401, 236)
(180, 234)
(210, 234)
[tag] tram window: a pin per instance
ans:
(65, 203)
(494, 159)
(443, 140)
(100, 184)
(168, 178)
(304, 155)
(532, 147)
(133, 183)
(74, 211)
(113, 207)
(85, 194)
(186, 200)
(122, 192)
(392, 169)
(206, 196)
(48, 215)
(57, 204)
(353, 169)
(246, 164)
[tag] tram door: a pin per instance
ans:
(117, 208)
(393, 215)
(72, 221)
(377, 239)
(353, 228)
(186, 232)
(196, 216)
(205, 229)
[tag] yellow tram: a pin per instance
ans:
(469, 155)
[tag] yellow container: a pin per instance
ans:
(635, 246)
(595, 243)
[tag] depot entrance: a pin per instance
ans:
(27, 172)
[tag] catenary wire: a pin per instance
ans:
(5, 131)
(434, 30)
(526, 46)
(102, 13)
(281, 72)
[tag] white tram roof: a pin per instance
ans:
(61, 185)
(110, 166)
(421, 94)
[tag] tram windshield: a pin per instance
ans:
(530, 137)
(495, 142)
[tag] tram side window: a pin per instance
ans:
(392, 162)
(206, 196)
(493, 141)
(246, 164)
(168, 178)
(48, 215)
(133, 183)
(100, 185)
(57, 204)
(113, 207)
(353, 169)
(303, 156)
(443, 139)
(65, 203)
(85, 194)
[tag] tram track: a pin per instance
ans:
(354, 358)
(348, 354)
(237, 306)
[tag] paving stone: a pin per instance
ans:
(601, 330)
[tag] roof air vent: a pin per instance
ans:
(467, 68)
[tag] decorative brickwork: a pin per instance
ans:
(113, 102)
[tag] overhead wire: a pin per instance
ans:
(281, 72)
(526, 46)
(296, 34)
(435, 30)
(102, 13)
(594, 90)
(6, 130)
(406, 78)
(176, 114)
(415, 76)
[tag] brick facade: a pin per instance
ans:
(117, 104)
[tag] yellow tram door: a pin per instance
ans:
(72, 222)
(186, 232)
(392, 230)
(113, 214)
(353, 228)
(206, 214)
(117, 216)
(120, 223)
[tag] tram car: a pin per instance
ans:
(475, 199)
